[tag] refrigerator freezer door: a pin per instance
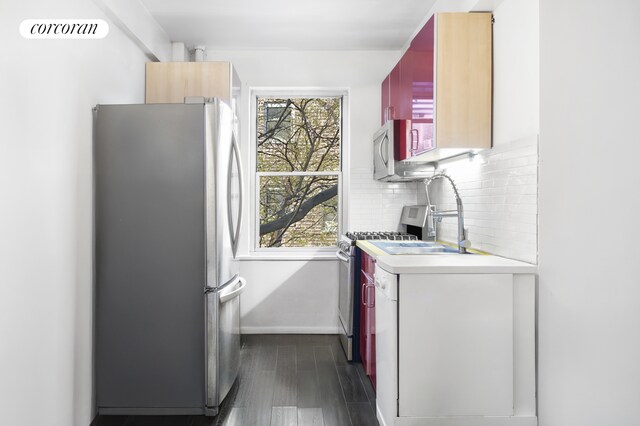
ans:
(223, 341)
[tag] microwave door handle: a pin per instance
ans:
(386, 138)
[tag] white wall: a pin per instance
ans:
(280, 289)
(589, 283)
(285, 296)
(500, 196)
(48, 88)
(516, 71)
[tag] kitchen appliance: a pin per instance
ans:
(168, 209)
(349, 294)
(386, 311)
(420, 221)
(445, 349)
(389, 142)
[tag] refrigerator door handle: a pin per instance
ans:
(226, 296)
(235, 234)
(232, 282)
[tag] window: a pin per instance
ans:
(298, 171)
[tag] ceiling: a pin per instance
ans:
(291, 24)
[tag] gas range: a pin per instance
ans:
(349, 289)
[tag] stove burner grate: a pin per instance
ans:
(381, 235)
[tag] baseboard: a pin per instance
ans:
(289, 330)
(467, 421)
(151, 411)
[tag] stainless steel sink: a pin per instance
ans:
(421, 250)
(413, 247)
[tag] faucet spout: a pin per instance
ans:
(463, 243)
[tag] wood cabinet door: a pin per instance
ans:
(171, 82)
(463, 80)
(364, 354)
(422, 51)
(367, 316)
(394, 93)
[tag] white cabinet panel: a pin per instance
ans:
(455, 345)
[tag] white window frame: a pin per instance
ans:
(296, 252)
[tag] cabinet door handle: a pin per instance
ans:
(414, 142)
(365, 291)
(363, 294)
(389, 113)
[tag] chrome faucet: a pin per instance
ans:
(463, 243)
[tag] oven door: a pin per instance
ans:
(345, 300)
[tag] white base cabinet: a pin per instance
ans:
(455, 349)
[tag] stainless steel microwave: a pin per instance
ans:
(386, 145)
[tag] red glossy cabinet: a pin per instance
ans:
(367, 317)
(407, 93)
(453, 54)
(422, 75)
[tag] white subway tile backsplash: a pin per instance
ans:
(500, 199)
(375, 205)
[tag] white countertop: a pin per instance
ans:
(452, 264)
(446, 263)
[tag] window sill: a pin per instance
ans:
(288, 256)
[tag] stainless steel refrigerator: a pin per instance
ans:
(168, 210)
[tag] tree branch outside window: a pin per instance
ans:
(298, 170)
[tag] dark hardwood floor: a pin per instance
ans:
(284, 380)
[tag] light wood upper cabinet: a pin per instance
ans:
(463, 80)
(171, 82)
(444, 87)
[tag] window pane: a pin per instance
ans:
(277, 117)
(298, 211)
(298, 134)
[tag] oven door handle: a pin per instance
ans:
(340, 255)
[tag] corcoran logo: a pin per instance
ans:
(64, 28)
